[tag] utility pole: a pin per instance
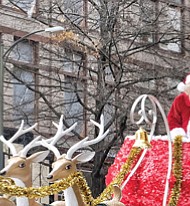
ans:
(1, 103)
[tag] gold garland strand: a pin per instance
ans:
(177, 169)
(108, 191)
(6, 180)
(84, 190)
(8, 187)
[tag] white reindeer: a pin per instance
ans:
(19, 166)
(66, 164)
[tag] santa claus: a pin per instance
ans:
(179, 114)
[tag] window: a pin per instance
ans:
(74, 10)
(108, 74)
(176, 1)
(154, 21)
(25, 5)
(139, 17)
(23, 97)
(23, 51)
(170, 27)
(71, 61)
(24, 81)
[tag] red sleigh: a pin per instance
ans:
(160, 173)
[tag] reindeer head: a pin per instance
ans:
(66, 164)
(19, 166)
(63, 167)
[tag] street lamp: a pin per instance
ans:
(49, 29)
(3, 57)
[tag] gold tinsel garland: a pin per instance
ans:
(108, 191)
(8, 187)
(177, 170)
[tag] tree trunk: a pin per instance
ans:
(98, 176)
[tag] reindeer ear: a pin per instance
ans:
(83, 157)
(38, 156)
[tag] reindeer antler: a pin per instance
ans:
(20, 132)
(84, 143)
(60, 133)
(33, 143)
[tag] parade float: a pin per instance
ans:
(148, 170)
(160, 165)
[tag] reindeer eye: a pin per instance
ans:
(68, 167)
(22, 165)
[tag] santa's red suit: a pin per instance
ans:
(179, 114)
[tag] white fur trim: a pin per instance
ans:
(181, 87)
(177, 131)
(187, 80)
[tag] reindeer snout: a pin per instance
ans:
(49, 177)
(2, 172)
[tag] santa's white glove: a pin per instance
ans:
(177, 131)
